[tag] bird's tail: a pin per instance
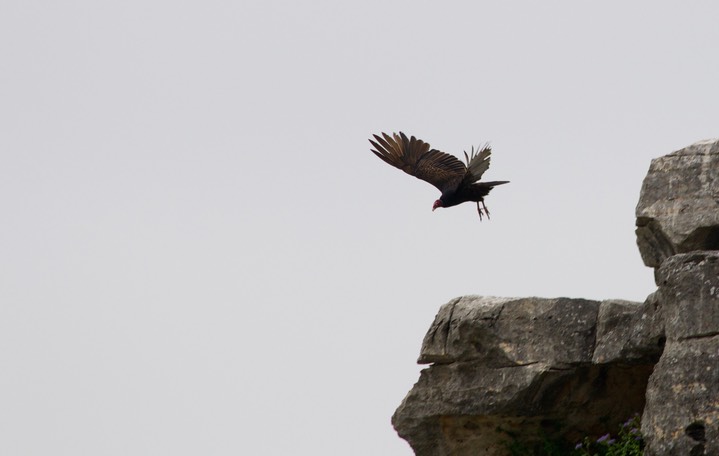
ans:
(492, 184)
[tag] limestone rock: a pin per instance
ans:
(503, 332)
(689, 284)
(682, 410)
(628, 332)
(678, 210)
(509, 368)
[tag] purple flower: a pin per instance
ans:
(611, 441)
(603, 438)
(578, 446)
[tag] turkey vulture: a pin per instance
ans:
(458, 182)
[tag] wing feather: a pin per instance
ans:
(414, 157)
(477, 164)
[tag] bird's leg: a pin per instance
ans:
(486, 211)
(479, 211)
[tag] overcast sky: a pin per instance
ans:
(199, 255)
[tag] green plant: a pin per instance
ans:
(628, 442)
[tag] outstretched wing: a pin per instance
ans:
(414, 157)
(477, 164)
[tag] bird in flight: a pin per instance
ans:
(458, 182)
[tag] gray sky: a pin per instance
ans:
(199, 254)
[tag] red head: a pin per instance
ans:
(437, 204)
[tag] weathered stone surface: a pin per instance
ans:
(682, 411)
(505, 364)
(689, 284)
(458, 408)
(678, 210)
(629, 332)
(503, 332)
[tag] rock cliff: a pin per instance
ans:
(506, 370)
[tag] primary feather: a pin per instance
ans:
(414, 157)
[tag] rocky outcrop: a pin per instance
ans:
(678, 235)
(681, 416)
(507, 371)
(678, 210)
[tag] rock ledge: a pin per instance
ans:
(523, 369)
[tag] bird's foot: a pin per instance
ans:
(486, 211)
(479, 211)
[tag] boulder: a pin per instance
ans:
(689, 286)
(627, 333)
(504, 332)
(678, 210)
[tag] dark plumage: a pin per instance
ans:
(458, 182)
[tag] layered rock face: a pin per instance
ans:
(678, 235)
(681, 416)
(508, 371)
